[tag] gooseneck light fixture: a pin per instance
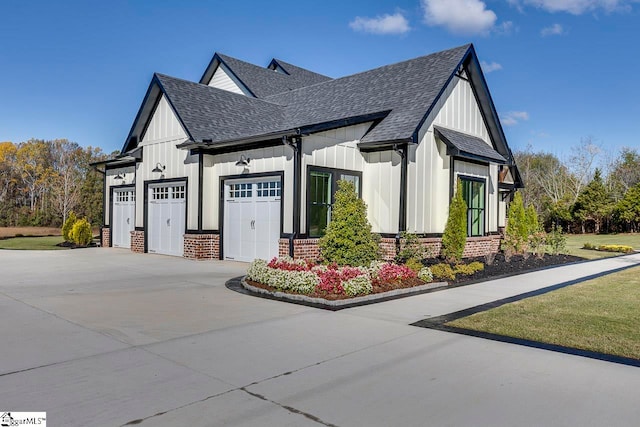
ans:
(244, 161)
(159, 168)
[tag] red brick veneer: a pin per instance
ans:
(137, 241)
(201, 246)
(106, 236)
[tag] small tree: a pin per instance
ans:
(516, 233)
(81, 233)
(454, 238)
(348, 239)
(533, 225)
(68, 226)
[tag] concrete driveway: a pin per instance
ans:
(105, 337)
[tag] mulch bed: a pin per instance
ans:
(499, 268)
(516, 265)
(74, 246)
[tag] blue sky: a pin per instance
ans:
(558, 70)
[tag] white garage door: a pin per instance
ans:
(166, 218)
(123, 218)
(251, 218)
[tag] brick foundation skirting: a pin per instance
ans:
(137, 241)
(105, 233)
(476, 246)
(201, 246)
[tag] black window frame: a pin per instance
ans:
(483, 215)
(335, 177)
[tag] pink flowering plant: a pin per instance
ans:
(306, 277)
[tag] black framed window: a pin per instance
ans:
(322, 184)
(473, 192)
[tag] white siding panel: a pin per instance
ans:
(335, 148)
(178, 164)
(271, 159)
(429, 177)
(225, 80)
(381, 190)
(128, 173)
(163, 126)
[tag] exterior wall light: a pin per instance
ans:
(159, 168)
(243, 161)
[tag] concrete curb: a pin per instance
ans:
(345, 303)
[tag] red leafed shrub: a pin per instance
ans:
(394, 273)
(288, 264)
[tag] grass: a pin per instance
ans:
(599, 315)
(29, 231)
(576, 241)
(32, 243)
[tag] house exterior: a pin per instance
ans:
(244, 163)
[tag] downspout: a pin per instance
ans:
(402, 150)
(295, 142)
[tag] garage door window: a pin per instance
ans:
(177, 192)
(268, 189)
(160, 193)
(237, 191)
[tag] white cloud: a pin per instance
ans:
(459, 16)
(385, 24)
(513, 117)
(554, 30)
(489, 67)
(576, 7)
(505, 28)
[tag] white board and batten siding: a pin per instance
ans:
(159, 142)
(224, 79)
(429, 165)
(263, 161)
(128, 174)
(336, 149)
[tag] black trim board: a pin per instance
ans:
(221, 199)
(200, 182)
(440, 322)
(146, 205)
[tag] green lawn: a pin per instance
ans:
(599, 315)
(32, 243)
(576, 241)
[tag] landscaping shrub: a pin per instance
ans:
(490, 258)
(68, 226)
(608, 248)
(454, 238)
(425, 274)
(282, 278)
(538, 243)
(443, 271)
(81, 233)
(414, 264)
(393, 273)
(411, 248)
(348, 239)
(556, 240)
(468, 269)
(517, 230)
(360, 285)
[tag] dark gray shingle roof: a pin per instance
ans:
(263, 82)
(302, 76)
(403, 92)
(406, 89)
(220, 115)
(468, 146)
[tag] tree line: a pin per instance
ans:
(591, 190)
(41, 182)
